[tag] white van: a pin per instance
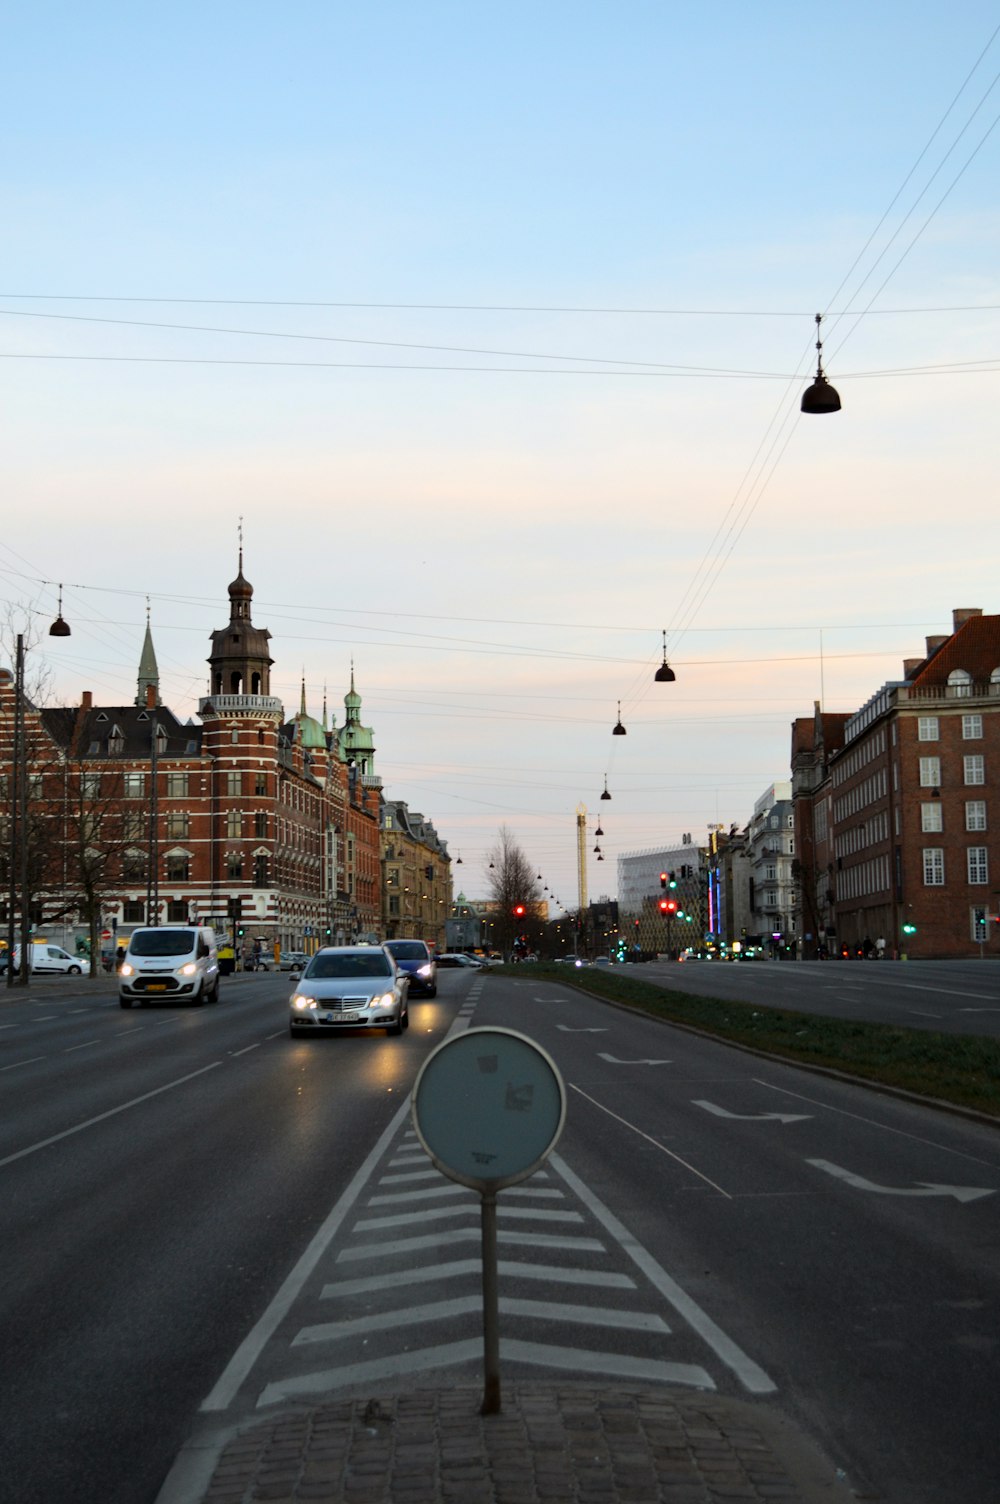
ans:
(170, 962)
(43, 956)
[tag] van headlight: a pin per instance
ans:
(301, 1002)
(189, 970)
(126, 970)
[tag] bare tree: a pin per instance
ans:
(513, 885)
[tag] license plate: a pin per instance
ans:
(341, 1018)
(156, 986)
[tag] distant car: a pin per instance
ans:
(459, 958)
(349, 987)
(414, 959)
(603, 961)
(293, 960)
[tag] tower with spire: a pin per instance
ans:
(148, 690)
(356, 743)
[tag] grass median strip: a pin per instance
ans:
(958, 1068)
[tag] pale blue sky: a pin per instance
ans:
(499, 548)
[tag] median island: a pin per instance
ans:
(962, 1070)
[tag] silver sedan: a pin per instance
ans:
(349, 987)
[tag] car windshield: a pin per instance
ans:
(408, 950)
(163, 942)
(349, 966)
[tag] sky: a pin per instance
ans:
(487, 326)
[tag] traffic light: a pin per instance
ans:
(673, 880)
(240, 930)
(519, 911)
(663, 879)
(663, 905)
(671, 905)
(909, 929)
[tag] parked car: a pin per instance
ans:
(349, 987)
(293, 960)
(458, 958)
(413, 957)
(44, 957)
(170, 962)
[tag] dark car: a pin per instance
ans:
(414, 959)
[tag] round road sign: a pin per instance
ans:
(489, 1106)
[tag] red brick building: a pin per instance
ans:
(905, 816)
(256, 825)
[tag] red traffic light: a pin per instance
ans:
(663, 905)
(519, 910)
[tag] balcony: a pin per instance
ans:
(240, 705)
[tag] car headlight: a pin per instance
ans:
(424, 971)
(189, 970)
(385, 1000)
(300, 1001)
(126, 969)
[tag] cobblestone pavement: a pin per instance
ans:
(557, 1443)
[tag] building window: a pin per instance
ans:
(930, 816)
(177, 785)
(90, 785)
(133, 867)
(393, 904)
(927, 728)
(177, 911)
(260, 872)
(178, 867)
(972, 728)
(234, 824)
(234, 785)
(260, 784)
(930, 772)
(975, 768)
(133, 911)
(960, 682)
(134, 824)
(135, 786)
(934, 866)
(975, 814)
(260, 826)
(177, 824)
(234, 866)
(978, 865)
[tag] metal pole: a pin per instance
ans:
(15, 803)
(491, 1317)
(23, 816)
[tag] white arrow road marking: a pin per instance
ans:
(754, 1117)
(923, 1187)
(568, 1029)
(613, 1060)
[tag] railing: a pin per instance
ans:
(234, 704)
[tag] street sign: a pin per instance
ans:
(488, 1106)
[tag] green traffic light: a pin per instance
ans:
(909, 929)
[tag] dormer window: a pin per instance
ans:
(959, 682)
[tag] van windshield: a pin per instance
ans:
(163, 942)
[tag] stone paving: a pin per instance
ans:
(562, 1443)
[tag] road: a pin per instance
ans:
(957, 997)
(203, 1218)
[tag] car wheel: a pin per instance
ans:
(406, 1019)
(213, 996)
(432, 991)
(397, 1027)
(199, 996)
(124, 1002)
(74, 971)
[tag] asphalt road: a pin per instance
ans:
(202, 1217)
(957, 997)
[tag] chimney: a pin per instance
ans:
(910, 666)
(961, 614)
(87, 700)
(933, 643)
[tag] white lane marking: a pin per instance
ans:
(976, 1010)
(750, 1374)
(467, 1305)
(85, 1046)
(922, 1188)
(947, 991)
(753, 1117)
(111, 1113)
(917, 1013)
(17, 1026)
(613, 1060)
(560, 1274)
(451, 1235)
(135, 1029)
(246, 1049)
(78, 1010)
(439, 1213)
(873, 1123)
(18, 1063)
(280, 1034)
(568, 1029)
(449, 1188)
(43, 1018)
(450, 1353)
(655, 1142)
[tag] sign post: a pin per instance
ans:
(489, 1106)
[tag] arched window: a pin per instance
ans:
(959, 682)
